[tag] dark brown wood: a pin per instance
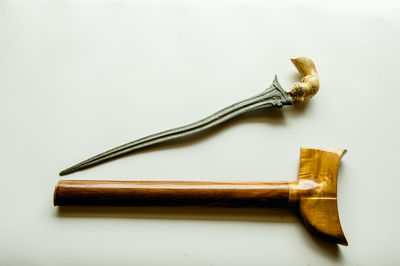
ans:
(171, 193)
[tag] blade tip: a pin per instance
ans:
(67, 171)
(62, 173)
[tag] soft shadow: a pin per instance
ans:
(273, 215)
(301, 108)
(258, 215)
(325, 247)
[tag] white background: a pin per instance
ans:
(80, 77)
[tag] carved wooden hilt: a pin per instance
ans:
(309, 84)
(314, 194)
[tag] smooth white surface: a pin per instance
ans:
(79, 77)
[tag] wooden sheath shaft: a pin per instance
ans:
(171, 193)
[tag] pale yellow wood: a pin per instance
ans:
(315, 192)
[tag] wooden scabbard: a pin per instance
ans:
(171, 193)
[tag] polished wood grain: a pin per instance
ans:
(171, 193)
(313, 195)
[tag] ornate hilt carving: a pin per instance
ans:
(309, 84)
